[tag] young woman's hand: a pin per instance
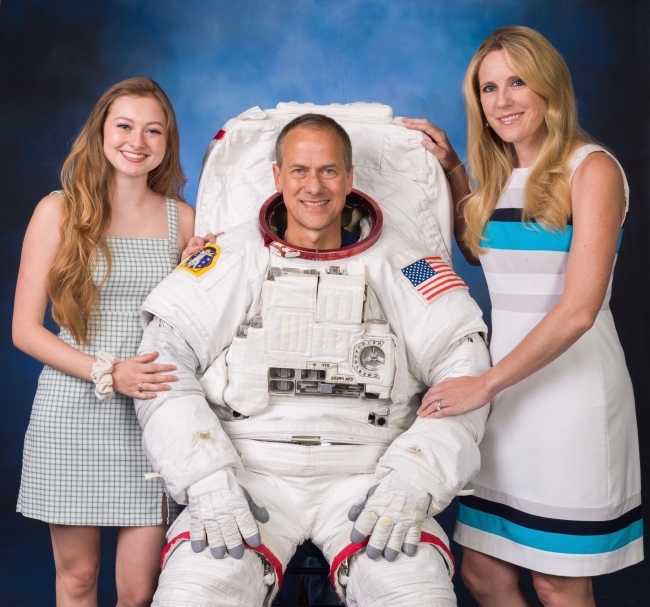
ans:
(139, 377)
(454, 396)
(196, 243)
(437, 143)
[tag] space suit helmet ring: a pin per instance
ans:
(355, 200)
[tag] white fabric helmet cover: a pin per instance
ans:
(390, 166)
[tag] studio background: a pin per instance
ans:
(217, 58)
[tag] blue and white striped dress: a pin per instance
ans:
(559, 488)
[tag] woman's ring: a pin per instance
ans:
(438, 407)
(140, 386)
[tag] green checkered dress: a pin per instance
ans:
(83, 462)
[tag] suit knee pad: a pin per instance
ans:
(419, 581)
(198, 579)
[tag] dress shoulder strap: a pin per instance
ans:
(582, 152)
(172, 223)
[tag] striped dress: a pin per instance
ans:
(559, 488)
(83, 462)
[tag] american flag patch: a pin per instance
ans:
(432, 277)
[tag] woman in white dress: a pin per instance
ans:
(559, 487)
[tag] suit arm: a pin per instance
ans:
(181, 436)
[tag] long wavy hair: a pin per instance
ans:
(547, 194)
(87, 178)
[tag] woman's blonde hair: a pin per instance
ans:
(87, 180)
(547, 194)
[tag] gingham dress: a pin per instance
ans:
(83, 462)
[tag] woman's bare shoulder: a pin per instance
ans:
(186, 214)
(184, 208)
(44, 232)
(49, 210)
(600, 166)
(598, 186)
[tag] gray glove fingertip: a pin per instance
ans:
(356, 510)
(373, 553)
(198, 545)
(260, 513)
(254, 540)
(372, 490)
(237, 552)
(356, 537)
(390, 554)
(410, 549)
(219, 552)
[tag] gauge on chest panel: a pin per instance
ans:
(368, 357)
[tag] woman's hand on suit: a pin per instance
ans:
(454, 396)
(139, 377)
(437, 142)
(196, 243)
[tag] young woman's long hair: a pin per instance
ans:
(547, 194)
(87, 180)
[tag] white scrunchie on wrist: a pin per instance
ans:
(101, 376)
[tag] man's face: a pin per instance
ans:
(314, 183)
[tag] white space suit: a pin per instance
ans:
(299, 374)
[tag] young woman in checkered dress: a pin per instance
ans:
(121, 226)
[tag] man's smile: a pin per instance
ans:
(314, 203)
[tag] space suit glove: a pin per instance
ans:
(224, 512)
(392, 514)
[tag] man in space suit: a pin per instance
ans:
(301, 350)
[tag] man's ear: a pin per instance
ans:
(350, 180)
(276, 178)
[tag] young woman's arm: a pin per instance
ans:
(598, 204)
(40, 247)
(441, 148)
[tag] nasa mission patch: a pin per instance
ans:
(203, 260)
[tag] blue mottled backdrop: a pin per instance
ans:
(217, 58)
